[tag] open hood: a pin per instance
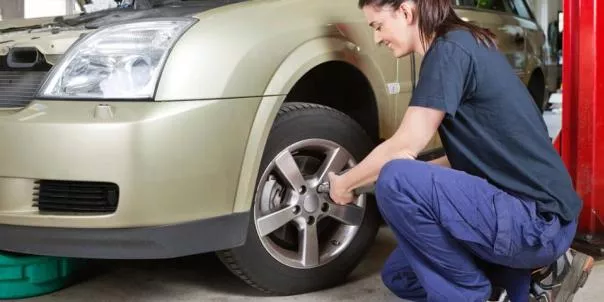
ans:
(24, 23)
(52, 36)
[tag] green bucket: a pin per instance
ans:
(24, 276)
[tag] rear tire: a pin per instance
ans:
(256, 264)
(536, 87)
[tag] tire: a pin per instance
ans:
(253, 262)
(536, 87)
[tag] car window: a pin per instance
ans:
(496, 5)
(520, 8)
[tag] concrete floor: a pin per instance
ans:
(204, 278)
(553, 117)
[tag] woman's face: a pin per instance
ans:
(394, 27)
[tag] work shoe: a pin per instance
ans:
(560, 281)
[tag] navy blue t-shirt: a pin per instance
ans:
(492, 127)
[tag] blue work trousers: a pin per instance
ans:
(459, 236)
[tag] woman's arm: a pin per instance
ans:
(416, 130)
(445, 79)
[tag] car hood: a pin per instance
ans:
(52, 36)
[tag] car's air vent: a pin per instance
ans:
(76, 196)
(24, 57)
(21, 74)
(17, 88)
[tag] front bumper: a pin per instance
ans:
(174, 162)
(133, 243)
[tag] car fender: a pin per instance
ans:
(533, 63)
(233, 51)
(300, 61)
(221, 58)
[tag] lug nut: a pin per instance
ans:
(302, 190)
(325, 207)
(311, 220)
(296, 210)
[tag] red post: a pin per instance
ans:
(581, 140)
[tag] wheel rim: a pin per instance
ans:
(299, 227)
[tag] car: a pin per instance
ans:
(520, 38)
(162, 129)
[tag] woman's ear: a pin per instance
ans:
(407, 10)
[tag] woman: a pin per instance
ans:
(507, 203)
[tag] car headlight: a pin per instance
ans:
(116, 62)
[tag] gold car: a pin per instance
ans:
(171, 128)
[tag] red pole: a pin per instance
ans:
(581, 139)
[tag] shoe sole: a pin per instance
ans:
(588, 264)
(577, 279)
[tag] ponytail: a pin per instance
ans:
(436, 18)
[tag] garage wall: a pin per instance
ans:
(11, 9)
(554, 7)
(101, 4)
(545, 11)
(18, 9)
(44, 8)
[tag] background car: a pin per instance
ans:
(519, 36)
(169, 128)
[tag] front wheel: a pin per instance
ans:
(298, 240)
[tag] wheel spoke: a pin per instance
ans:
(335, 162)
(289, 170)
(347, 214)
(271, 222)
(310, 245)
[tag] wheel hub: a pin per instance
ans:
(311, 203)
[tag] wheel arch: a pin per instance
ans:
(299, 63)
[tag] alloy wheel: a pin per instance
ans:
(298, 226)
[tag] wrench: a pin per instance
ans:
(369, 189)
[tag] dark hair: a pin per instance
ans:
(436, 18)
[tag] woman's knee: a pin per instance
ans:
(403, 170)
(391, 173)
(399, 175)
(396, 168)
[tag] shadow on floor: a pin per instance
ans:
(189, 278)
(205, 271)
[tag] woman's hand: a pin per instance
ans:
(338, 191)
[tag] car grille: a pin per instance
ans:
(21, 77)
(17, 88)
(75, 196)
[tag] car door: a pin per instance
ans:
(497, 16)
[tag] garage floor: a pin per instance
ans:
(204, 278)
